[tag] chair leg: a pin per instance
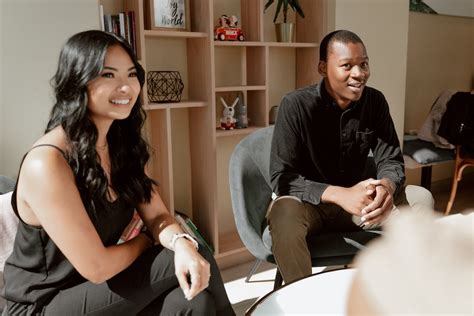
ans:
(278, 280)
(252, 270)
(426, 177)
(454, 186)
(452, 196)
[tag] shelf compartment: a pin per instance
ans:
(175, 105)
(174, 34)
(161, 164)
(256, 111)
(230, 242)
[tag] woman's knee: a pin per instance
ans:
(176, 304)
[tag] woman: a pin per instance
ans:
(76, 192)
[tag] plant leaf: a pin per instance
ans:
(285, 10)
(296, 7)
(277, 12)
(268, 4)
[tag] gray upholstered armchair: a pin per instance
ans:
(6, 184)
(251, 192)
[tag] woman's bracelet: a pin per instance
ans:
(176, 236)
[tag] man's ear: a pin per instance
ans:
(322, 68)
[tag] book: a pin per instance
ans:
(108, 23)
(132, 229)
(101, 17)
(133, 35)
(122, 32)
(188, 226)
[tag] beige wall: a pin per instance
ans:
(440, 56)
(383, 26)
(32, 33)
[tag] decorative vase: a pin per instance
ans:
(285, 32)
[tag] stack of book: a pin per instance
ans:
(187, 225)
(122, 24)
(133, 228)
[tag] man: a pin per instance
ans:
(322, 137)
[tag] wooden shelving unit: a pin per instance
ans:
(191, 153)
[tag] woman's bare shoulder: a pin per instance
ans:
(44, 160)
(56, 137)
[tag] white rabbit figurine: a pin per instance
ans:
(228, 121)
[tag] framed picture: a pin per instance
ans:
(168, 15)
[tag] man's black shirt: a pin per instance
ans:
(316, 144)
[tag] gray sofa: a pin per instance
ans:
(6, 185)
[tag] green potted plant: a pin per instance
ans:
(285, 32)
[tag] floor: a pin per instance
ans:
(242, 295)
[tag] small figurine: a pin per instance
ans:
(228, 121)
(228, 30)
(241, 113)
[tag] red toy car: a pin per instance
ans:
(228, 34)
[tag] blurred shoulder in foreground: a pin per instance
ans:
(423, 265)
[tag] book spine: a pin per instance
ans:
(101, 18)
(127, 232)
(133, 32)
(200, 238)
(108, 23)
(122, 25)
(127, 28)
(115, 24)
(188, 226)
(184, 226)
(137, 228)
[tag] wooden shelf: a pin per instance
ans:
(237, 43)
(265, 44)
(175, 105)
(234, 132)
(191, 156)
(292, 45)
(174, 34)
(240, 88)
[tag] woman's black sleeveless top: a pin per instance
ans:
(37, 270)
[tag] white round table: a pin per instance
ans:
(322, 294)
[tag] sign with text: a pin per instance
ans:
(170, 14)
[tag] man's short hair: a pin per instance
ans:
(343, 36)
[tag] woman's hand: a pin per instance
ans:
(191, 269)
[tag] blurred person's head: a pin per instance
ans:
(421, 266)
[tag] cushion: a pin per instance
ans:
(425, 152)
(2, 300)
(6, 184)
(8, 227)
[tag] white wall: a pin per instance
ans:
(31, 35)
(383, 26)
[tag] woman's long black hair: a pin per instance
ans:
(81, 60)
